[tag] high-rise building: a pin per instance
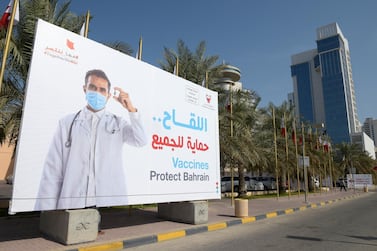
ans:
(370, 128)
(323, 85)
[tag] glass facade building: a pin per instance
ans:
(323, 85)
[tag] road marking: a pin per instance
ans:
(271, 215)
(171, 235)
(217, 226)
(288, 211)
(109, 246)
(248, 219)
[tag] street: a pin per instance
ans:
(345, 225)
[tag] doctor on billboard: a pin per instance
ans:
(83, 167)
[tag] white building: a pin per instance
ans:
(370, 128)
(365, 142)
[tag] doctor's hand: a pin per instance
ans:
(124, 99)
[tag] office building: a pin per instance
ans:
(370, 128)
(364, 142)
(323, 85)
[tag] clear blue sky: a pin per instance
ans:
(256, 36)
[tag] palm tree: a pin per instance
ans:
(351, 156)
(286, 149)
(241, 148)
(18, 62)
(193, 66)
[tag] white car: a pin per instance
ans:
(226, 184)
(251, 184)
(255, 185)
(269, 182)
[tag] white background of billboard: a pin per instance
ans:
(55, 90)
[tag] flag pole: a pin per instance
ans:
(276, 154)
(86, 30)
(176, 65)
(206, 79)
(140, 51)
(297, 167)
(303, 162)
(287, 155)
(7, 41)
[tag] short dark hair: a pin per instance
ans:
(97, 73)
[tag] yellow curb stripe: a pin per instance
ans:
(171, 235)
(271, 215)
(248, 219)
(302, 208)
(289, 211)
(217, 226)
(313, 205)
(323, 203)
(109, 246)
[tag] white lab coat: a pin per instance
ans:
(65, 173)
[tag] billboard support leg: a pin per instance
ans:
(70, 226)
(192, 212)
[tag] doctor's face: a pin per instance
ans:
(100, 88)
(97, 84)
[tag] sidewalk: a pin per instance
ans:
(125, 228)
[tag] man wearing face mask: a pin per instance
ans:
(83, 167)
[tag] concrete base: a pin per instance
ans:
(70, 226)
(241, 208)
(192, 212)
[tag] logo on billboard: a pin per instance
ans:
(64, 53)
(207, 103)
(70, 44)
(208, 98)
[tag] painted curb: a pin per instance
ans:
(129, 243)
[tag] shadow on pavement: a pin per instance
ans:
(115, 218)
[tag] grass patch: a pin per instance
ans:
(272, 195)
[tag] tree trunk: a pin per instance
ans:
(241, 185)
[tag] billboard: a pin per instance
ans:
(359, 180)
(155, 141)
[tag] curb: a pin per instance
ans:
(139, 241)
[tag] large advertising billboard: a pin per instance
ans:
(101, 128)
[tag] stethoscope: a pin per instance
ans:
(68, 143)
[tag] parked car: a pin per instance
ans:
(226, 184)
(315, 182)
(255, 185)
(269, 182)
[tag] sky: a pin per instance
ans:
(258, 37)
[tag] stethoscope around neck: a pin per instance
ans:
(68, 143)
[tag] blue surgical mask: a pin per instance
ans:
(95, 100)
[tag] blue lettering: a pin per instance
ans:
(189, 164)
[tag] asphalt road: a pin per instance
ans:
(345, 225)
